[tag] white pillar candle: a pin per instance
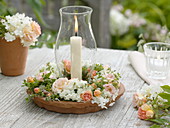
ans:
(76, 57)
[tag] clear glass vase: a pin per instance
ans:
(75, 41)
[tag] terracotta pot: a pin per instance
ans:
(13, 57)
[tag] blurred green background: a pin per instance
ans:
(132, 22)
(146, 21)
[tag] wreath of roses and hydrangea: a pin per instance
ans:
(99, 84)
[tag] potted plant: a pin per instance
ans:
(17, 33)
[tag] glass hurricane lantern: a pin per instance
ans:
(75, 40)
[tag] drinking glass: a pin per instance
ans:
(157, 59)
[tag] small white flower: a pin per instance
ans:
(101, 101)
(111, 104)
(52, 76)
(151, 90)
(9, 37)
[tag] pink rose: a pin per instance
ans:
(30, 79)
(59, 84)
(91, 72)
(141, 114)
(110, 76)
(87, 96)
(94, 73)
(31, 33)
(67, 65)
(39, 77)
(138, 100)
(145, 112)
(110, 88)
(36, 28)
(150, 114)
(97, 93)
(36, 90)
(29, 37)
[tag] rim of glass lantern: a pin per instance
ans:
(87, 11)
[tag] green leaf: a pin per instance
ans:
(165, 96)
(43, 2)
(155, 126)
(40, 18)
(159, 121)
(98, 67)
(2, 17)
(37, 7)
(3, 2)
(167, 103)
(166, 88)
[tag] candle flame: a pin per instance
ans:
(76, 24)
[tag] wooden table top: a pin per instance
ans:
(15, 112)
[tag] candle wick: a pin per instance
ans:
(76, 33)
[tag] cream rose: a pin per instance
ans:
(59, 84)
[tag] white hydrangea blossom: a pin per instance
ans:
(135, 19)
(101, 101)
(9, 37)
(69, 93)
(15, 24)
(119, 24)
(152, 91)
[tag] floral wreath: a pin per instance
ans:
(99, 84)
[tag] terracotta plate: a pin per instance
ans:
(73, 107)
